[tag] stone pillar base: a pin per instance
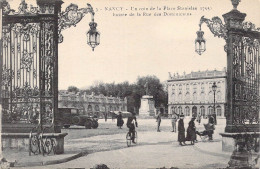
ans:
(20, 141)
(244, 147)
(228, 144)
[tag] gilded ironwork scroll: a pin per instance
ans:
(246, 77)
(71, 16)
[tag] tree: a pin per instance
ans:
(133, 92)
(155, 89)
(73, 89)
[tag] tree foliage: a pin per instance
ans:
(133, 92)
(73, 89)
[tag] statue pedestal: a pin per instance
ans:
(147, 108)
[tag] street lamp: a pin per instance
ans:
(214, 88)
(200, 42)
(93, 36)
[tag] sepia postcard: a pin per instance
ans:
(129, 84)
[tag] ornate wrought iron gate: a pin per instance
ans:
(243, 80)
(30, 63)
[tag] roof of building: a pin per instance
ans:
(198, 75)
(92, 96)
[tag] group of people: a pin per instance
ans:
(131, 124)
(191, 133)
(191, 130)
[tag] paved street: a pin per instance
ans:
(107, 145)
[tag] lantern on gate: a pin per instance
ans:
(200, 42)
(93, 36)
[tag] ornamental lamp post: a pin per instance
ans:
(200, 42)
(214, 88)
(93, 36)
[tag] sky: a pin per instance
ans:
(132, 46)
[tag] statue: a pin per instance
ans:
(170, 76)
(146, 88)
(147, 108)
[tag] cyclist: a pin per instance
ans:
(131, 125)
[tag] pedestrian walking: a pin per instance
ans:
(181, 131)
(199, 118)
(105, 115)
(211, 127)
(120, 120)
(174, 120)
(191, 132)
(113, 116)
(158, 120)
(211, 119)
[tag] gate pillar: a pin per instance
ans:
(29, 74)
(242, 110)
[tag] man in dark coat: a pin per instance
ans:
(105, 115)
(191, 132)
(158, 120)
(211, 127)
(131, 124)
(211, 119)
(120, 121)
(181, 130)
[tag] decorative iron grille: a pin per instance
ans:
(29, 68)
(246, 64)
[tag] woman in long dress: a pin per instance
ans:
(181, 131)
(120, 121)
(191, 132)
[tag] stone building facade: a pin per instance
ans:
(192, 93)
(92, 104)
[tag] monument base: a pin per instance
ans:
(147, 108)
(146, 115)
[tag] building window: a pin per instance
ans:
(89, 108)
(219, 85)
(187, 87)
(218, 96)
(173, 90)
(194, 87)
(210, 86)
(187, 111)
(202, 87)
(172, 110)
(173, 98)
(210, 110)
(179, 110)
(180, 97)
(97, 108)
(202, 96)
(194, 97)
(175, 109)
(194, 111)
(210, 97)
(180, 88)
(187, 97)
(202, 111)
(218, 109)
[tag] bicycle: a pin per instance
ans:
(129, 138)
